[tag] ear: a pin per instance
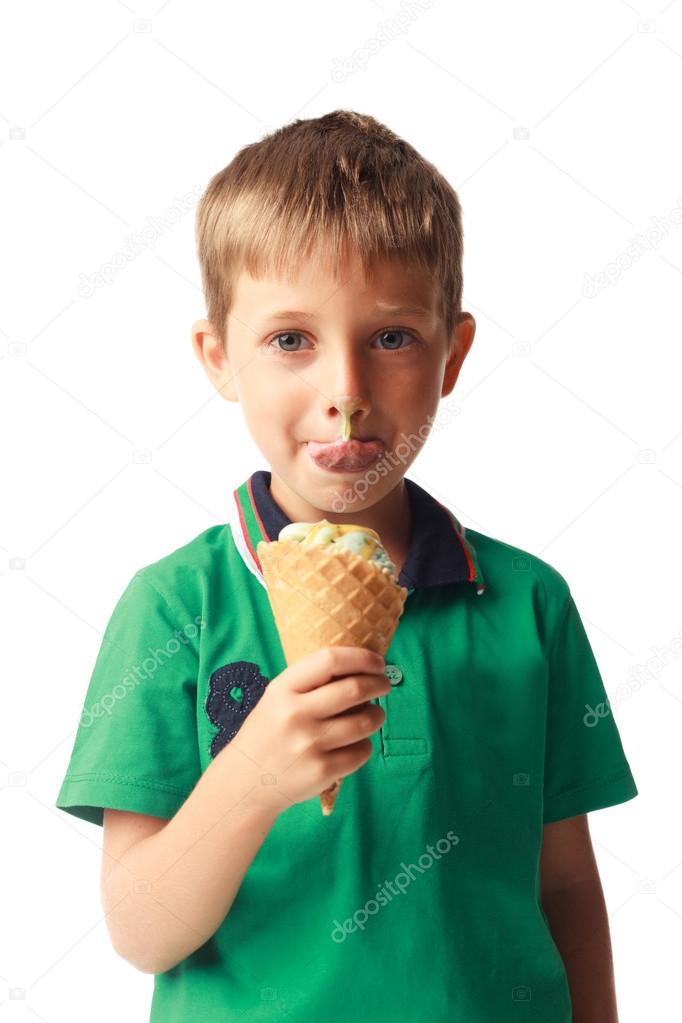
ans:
(462, 339)
(209, 351)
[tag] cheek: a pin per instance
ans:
(419, 410)
(266, 378)
(415, 393)
(271, 410)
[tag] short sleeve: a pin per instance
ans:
(585, 766)
(136, 742)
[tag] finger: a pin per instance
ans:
(319, 668)
(344, 695)
(350, 728)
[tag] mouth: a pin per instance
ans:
(345, 456)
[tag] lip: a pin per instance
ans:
(345, 456)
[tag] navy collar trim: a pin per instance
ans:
(439, 551)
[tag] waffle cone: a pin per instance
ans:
(323, 598)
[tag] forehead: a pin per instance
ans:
(315, 283)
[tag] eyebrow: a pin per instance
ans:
(397, 310)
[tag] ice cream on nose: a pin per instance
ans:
(346, 427)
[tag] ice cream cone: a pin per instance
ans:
(322, 596)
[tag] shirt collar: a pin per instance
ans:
(439, 552)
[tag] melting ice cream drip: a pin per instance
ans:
(346, 412)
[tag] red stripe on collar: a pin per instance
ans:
(245, 532)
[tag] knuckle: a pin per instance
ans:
(330, 657)
(366, 748)
(289, 714)
(367, 718)
(354, 688)
(301, 741)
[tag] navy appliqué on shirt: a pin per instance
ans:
(233, 692)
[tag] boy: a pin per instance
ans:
(455, 877)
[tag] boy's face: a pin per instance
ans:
(296, 375)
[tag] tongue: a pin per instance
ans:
(350, 453)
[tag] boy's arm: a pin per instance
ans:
(167, 886)
(573, 901)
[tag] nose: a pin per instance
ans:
(343, 388)
(348, 406)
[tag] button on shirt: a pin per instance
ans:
(394, 674)
(418, 898)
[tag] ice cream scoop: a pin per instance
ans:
(360, 540)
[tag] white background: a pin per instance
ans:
(558, 124)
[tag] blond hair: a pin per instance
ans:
(326, 185)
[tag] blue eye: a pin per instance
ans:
(393, 331)
(285, 334)
(293, 335)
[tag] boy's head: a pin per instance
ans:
(340, 225)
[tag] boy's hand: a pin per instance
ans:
(308, 733)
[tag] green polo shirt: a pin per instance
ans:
(419, 897)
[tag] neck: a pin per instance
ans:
(390, 517)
